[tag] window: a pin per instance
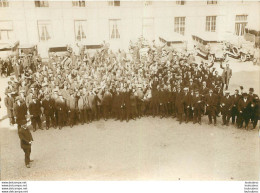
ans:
(211, 23)
(114, 3)
(80, 29)
(209, 2)
(179, 25)
(6, 31)
(41, 3)
(181, 2)
(81, 3)
(4, 3)
(44, 30)
(241, 22)
(148, 3)
(114, 27)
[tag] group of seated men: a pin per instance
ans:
(73, 89)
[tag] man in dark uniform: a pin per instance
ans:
(106, 103)
(234, 111)
(116, 104)
(62, 109)
(26, 141)
(254, 107)
(219, 94)
(127, 111)
(211, 104)
(54, 99)
(155, 101)
(256, 111)
(186, 102)
(179, 104)
(140, 104)
(197, 107)
(93, 100)
(20, 112)
(172, 99)
(48, 111)
(82, 108)
(133, 104)
(123, 101)
(35, 112)
(72, 107)
(244, 110)
(162, 102)
(226, 104)
(100, 93)
(252, 97)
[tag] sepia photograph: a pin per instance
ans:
(129, 90)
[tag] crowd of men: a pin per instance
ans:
(6, 67)
(78, 88)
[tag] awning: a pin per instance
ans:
(172, 38)
(91, 44)
(58, 49)
(210, 36)
(8, 46)
(26, 46)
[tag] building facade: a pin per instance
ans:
(55, 23)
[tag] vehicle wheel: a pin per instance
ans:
(211, 58)
(235, 50)
(243, 57)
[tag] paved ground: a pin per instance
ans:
(146, 149)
